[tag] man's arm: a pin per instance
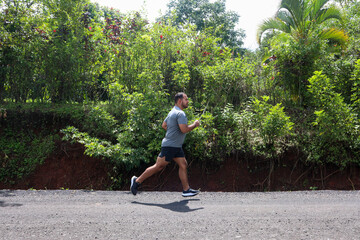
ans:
(164, 125)
(184, 128)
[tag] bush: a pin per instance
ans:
(100, 122)
(215, 138)
(22, 152)
(229, 81)
(355, 97)
(335, 133)
(138, 137)
(295, 63)
(269, 127)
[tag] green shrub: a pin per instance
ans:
(138, 137)
(335, 132)
(22, 152)
(355, 97)
(100, 122)
(270, 127)
(228, 81)
(220, 134)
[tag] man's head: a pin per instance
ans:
(181, 100)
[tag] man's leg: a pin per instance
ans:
(183, 172)
(158, 166)
(187, 191)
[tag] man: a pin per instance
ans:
(176, 128)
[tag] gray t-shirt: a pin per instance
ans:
(174, 137)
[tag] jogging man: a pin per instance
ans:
(176, 128)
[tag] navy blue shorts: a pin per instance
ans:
(171, 152)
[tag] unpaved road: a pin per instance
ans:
(70, 214)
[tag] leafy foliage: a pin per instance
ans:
(295, 62)
(268, 127)
(355, 97)
(208, 16)
(336, 127)
(300, 40)
(22, 152)
(341, 66)
(228, 81)
(301, 19)
(111, 78)
(137, 138)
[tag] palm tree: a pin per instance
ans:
(302, 19)
(302, 22)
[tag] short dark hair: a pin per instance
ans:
(178, 96)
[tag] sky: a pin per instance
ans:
(252, 12)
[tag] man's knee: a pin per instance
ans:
(160, 164)
(182, 163)
(160, 167)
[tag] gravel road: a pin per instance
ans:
(77, 214)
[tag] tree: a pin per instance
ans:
(341, 66)
(70, 60)
(19, 44)
(302, 19)
(299, 42)
(335, 134)
(212, 17)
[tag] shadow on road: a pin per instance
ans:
(3, 204)
(179, 206)
(6, 193)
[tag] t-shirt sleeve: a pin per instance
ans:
(182, 119)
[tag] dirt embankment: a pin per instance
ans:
(68, 167)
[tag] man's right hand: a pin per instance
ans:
(197, 123)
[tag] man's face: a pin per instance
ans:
(184, 101)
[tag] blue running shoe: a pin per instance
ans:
(190, 193)
(134, 185)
